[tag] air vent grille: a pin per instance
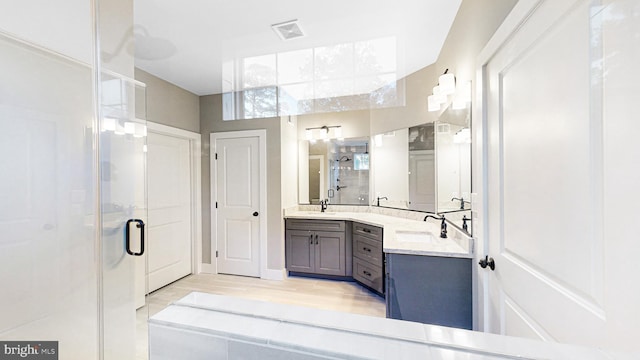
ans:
(288, 30)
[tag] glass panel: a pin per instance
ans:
(123, 198)
(48, 264)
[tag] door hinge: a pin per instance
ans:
(216, 156)
(216, 253)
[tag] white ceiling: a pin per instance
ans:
(209, 33)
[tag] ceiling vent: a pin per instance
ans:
(288, 30)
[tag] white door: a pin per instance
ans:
(546, 225)
(422, 180)
(169, 228)
(237, 204)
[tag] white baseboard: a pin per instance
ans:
(208, 268)
(273, 274)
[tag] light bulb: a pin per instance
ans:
(447, 84)
(433, 103)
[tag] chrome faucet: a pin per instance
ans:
(381, 198)
(323, 205)
(443, 225)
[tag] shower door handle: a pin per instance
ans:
(139, 225)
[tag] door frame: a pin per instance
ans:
(195, 145)
(261, 134)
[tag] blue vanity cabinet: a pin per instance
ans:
(429, 289)
(368, 264)
(318, 247)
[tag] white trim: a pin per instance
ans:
(195, 144)
(261, 134)
(273, 274)
(207, 269)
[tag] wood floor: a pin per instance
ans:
(317, 293)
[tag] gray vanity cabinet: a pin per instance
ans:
(368, 262)
(429, 289)
(316, 247)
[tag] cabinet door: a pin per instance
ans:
(330, 253)
(300, 251)
(430, 290)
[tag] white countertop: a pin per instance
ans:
(455, 245)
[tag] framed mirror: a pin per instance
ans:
(337, 170)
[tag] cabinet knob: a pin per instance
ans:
(255, 213)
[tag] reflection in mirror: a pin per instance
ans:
(404, 168)
(427, 168)
(422, 177)
(454, 160)
(337, 170)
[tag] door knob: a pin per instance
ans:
(487, 261)
(255, 213)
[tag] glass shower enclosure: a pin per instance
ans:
(73, 200)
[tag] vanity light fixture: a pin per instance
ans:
(446, 86)
(324, 133)
(338, 133)
(433, 104)
(447, 82)
(439, 96)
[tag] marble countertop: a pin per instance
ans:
(455, 245)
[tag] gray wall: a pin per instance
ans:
(211, 121)
(170, 105)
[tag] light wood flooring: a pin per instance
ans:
(317, 293)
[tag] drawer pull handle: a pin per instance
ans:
(366, 249)
(366, 273)
(366, 230)
(311, 239)
(316, 239)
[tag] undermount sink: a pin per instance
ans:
(415, 236)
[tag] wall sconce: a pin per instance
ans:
(324, 133)
(447, 82)
(447, 86)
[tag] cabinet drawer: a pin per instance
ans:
(315, 225)
(369, 231)
(369, 275)
(367, 249)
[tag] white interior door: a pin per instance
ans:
(546, 222)
(236, 204)
(422, 180)
(169, 228)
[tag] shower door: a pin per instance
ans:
(72, 175)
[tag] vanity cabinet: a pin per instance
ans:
(317, 247)
(429, 289)
(368, 261)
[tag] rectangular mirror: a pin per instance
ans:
(427, 167)
(337, 170)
